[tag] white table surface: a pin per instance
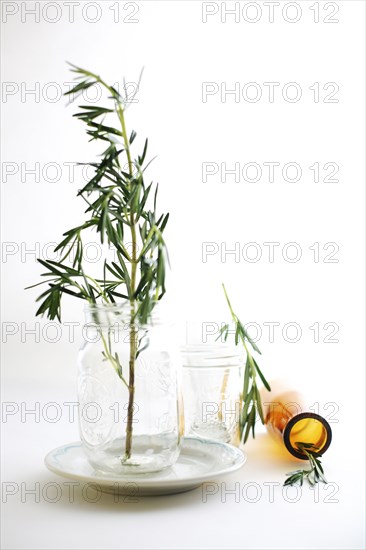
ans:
(182, 53)
(261, 514)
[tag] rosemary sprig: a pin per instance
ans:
(117, 201)
(251, 400)
(314, 474)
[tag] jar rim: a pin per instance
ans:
(202, 348)
(108, 314)
(114, 306)
(210, 355)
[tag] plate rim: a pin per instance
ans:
(145, 483)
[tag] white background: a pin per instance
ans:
(180, 53)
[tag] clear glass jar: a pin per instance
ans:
(130, 411)
(288, 419)
(212, 392)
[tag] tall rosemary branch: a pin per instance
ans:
(314, 474)
(117, 210)
(251, 400)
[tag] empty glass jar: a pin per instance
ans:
(130, 410)
(211, 389)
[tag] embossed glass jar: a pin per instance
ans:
(212, 391)
(155, 422)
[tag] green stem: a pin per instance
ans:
(125, 137)
(121, 117)
(257, 402)
(133, 332)
(133, 347)
(153, 230)
(235, 319)
(102, 293)
(115, 364)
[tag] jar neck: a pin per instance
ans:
(120, 315)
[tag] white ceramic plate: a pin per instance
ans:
(199, 460)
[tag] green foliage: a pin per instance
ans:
(314, 474)
(117, 210)
(251, 400)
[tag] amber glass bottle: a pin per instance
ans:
(288, 419)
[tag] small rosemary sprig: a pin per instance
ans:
(251, 400)
(312, 475)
